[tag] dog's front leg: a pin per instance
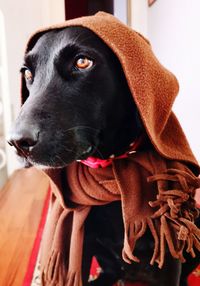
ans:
(88, 253)
(171, 272)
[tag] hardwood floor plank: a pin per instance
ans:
(21, 205)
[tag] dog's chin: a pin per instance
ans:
(45, 164)
(53, 163)
(28, 162)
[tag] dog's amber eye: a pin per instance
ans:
(28, 75)
(84, 63)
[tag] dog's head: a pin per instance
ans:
(82, 82)
(76, 101)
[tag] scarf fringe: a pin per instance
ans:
(172, 224)
(54, 272)
(134, 232)
(74, 279)
(62, 269)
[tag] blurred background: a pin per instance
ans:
(172, 26)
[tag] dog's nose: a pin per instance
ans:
(24, 140)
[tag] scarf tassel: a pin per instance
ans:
(174, 216)
(132, 234)
(62, 269)
(73, 279)
(172, 224)
(53, 273)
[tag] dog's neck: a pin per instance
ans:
(94, 162)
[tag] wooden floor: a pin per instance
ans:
(21, 204)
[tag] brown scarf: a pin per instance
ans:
(154, 193)
(156, 188)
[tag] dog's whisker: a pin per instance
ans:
(98, 152)
(81, 127)
(81, 41)
(61, 160)
(52, 161)
(67, 149)
(77, 38)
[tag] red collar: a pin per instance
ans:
(95, 163)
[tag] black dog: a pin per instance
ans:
(79, 104)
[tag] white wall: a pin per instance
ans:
(22, 18)
(120, 10)
(139, 16)
(174, 32)
(5, 110)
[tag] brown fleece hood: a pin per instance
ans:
(153, 87)
(156, 188)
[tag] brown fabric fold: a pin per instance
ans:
(154, 193)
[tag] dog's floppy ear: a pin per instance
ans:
(29, 47)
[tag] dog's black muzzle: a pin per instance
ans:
(57, 148)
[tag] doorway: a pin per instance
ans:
(77, 8)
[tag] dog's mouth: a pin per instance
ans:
(45, 159)
(56, 151)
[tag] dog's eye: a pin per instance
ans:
(28, 75)
(83, 63)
